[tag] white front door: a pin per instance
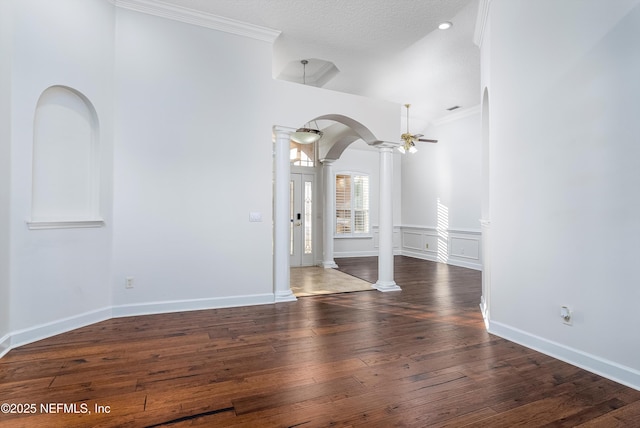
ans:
(301, 189)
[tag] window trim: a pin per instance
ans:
(352, 234)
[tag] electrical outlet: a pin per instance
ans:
(128, 283)
(566, 315)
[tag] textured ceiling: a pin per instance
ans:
(386, 49)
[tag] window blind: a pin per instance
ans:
(352, 204)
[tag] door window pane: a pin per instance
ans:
(308, 215)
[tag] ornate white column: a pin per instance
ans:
(385, 242)
(281, 220)
(329, 214)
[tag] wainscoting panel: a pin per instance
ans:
(396, 239)
(454, 247)
(467, 248)
(412, 240)
(430, 243)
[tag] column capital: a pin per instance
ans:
(327, 161)
(282, 131)
(387, 145)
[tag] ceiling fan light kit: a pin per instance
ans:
(409, 139)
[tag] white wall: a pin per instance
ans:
(57, 274)
(565, 163)
(186, 153)
(5, 174)
(193, 158)
(441, 188)
(448, 171)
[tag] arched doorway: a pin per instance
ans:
(339, 132)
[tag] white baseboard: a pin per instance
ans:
(600, 366)
(464, 264)
(416, 255)
(136, 309)
(450, 261)
(43, 331)
(347, 254)
(5, 344)
(484, 310)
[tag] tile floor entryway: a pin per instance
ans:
(313, 280)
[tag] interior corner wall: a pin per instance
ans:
(5, 174)
(565, 163)
(441, 189)
(59, 277)
(193, 158)
(186, 153)
(448, 171)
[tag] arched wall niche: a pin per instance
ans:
(65, 169)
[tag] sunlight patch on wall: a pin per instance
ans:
(443, 232)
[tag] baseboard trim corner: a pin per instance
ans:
(5, 345)
(611, 370)
(53, 328)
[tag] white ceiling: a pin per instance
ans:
(386, 49)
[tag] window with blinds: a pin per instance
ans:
(352, 204)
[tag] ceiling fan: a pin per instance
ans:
(409, 139)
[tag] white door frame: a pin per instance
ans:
(302, 219)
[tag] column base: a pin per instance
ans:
(285, 296)
(385, 286)
(329, 265)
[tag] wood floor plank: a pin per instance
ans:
(420, 357)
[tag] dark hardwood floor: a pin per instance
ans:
(419, 357)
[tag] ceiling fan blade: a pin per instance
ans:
(427, 141)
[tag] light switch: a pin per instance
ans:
(255, 217)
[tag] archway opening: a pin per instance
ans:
(339, 132)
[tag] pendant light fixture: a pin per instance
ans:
(306, 134)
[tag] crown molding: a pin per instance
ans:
(481, 22)
(201, 19)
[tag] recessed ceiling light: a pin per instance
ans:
(445, 25)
